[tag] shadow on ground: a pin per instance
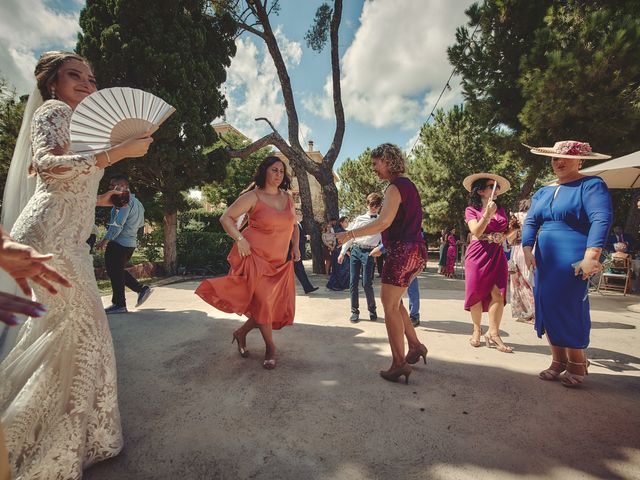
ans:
(193, 409)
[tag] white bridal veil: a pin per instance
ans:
(18, 190)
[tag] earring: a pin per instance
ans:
(53, 94)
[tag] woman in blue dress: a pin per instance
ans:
(569, 222)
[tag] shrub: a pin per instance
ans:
(200, 220)
(151, 245)
(203, 250)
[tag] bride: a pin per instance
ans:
(58, 394)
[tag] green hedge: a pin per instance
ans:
(200, 220)
(203, 250)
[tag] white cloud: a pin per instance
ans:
(397, 64)
(253, 89)
(27, 26)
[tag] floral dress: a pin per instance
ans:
(58, 397)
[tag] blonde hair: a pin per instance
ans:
(392, 156)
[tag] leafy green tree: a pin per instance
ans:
(453, 146)
(357, 180)
(11, 111)
(581, 79)
(488, 53)
(178, 50)
(239, 171)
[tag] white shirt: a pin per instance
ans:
(368, 241)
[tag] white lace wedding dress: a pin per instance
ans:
(58, 394)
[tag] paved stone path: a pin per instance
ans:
(193, 409)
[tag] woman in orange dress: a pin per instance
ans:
(260, 282)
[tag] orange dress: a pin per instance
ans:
(261, 285)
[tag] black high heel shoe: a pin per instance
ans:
(244, 353)
(393, 374)
(413, 356)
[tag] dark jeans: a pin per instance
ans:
(115, 258)
(301, 275)
(360, 262)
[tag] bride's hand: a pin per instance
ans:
(134, 147)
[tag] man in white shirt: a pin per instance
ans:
(359, 259)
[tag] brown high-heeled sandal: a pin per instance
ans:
(551, 373)
(242, 349)
(393, 374)
(491, 340)
(475, 342)
(413, 355)
(573, 380)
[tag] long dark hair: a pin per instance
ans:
(260, 177)
(474, 197)
(47, 68)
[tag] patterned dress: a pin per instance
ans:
(59, 398)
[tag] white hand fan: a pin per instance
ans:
(110, 116)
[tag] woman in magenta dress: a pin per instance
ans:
(452, 253)
(260, 281)
(485, 263)
(400, 222)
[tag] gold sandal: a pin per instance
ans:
(490, 339)
(550, 374)
(573, 380)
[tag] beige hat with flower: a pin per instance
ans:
(569, 149)
(502, 182)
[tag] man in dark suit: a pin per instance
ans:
(298, 266)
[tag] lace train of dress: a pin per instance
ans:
(59, 395)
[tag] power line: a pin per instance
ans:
(447, 85)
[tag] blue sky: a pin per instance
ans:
(393, 64)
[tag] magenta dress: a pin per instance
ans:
(485, 263)
(452, 254)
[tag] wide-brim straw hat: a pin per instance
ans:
(569, 149)
(502, 182)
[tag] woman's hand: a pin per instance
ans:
(296, 254)
(244, 248)
(343, 237)
(10, 305)
(529, 258)
(104, 200)
(588, 267)
(134, 147)
(24, 263)
(492, 207)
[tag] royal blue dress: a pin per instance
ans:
(567, 219)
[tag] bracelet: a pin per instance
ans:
(240, 237)
(108, 158)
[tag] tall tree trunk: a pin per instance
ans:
(308, 218)
(170, 223)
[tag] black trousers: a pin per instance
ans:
(115, 258)
(301, 275)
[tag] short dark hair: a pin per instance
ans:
(119, 177)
